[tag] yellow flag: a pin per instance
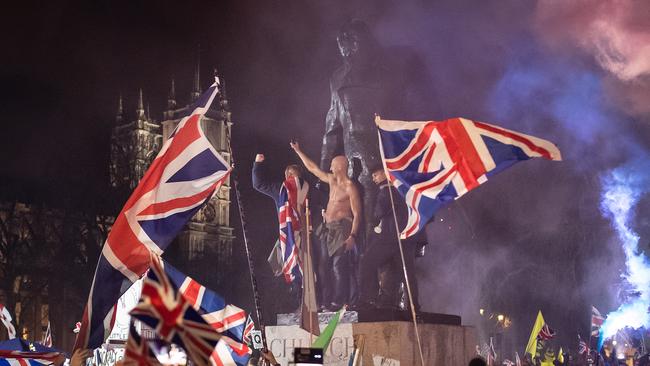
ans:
(531, 347)
(560, 355)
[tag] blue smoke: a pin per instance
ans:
(622, 188)
(555, 98)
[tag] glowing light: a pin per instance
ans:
(622, 189)
(481, 311)
(614, 343)
(500, 317)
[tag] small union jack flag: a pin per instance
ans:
(138, 352)
(583, 347)
(432, 163)
(545, 333)
(163, 308)
(596, 322)
(250, 325)
(291, 200)
(184, 175)
(228, 320)
(47, 337)
(28, 358)
(5, 318)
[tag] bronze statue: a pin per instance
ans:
(358, 91)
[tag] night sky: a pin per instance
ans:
(531, 238)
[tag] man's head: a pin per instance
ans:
(379, 176)
(355, 40)
(292, 170)
(339, 165)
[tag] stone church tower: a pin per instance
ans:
(203, 249)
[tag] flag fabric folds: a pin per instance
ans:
(47, 337)
(6, 319)
(28, 358)
(138, 351)
(326, 335)
(545, 333)
(184, 175)
(164, 309)
(583, 347)
(227, 320)
(291, 200)
(531, 347)
(250, 325)
(596, 322)
(432, 163)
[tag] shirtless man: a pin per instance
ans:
(342, 222)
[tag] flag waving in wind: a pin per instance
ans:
(432, 163)
(227, 320)
(184, 175)
(167, 311)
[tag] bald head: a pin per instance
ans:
(339, 165)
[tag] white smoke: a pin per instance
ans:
(622, 189)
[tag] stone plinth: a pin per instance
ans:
(393, 343)
(388, 339)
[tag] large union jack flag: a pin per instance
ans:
(28, 358)
(228, 320)
(432, 163)
(164, 309)
(184, 175)
(291, 201)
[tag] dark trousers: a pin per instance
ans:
(334, 276)
(380, 251)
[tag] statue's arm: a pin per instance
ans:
(333, 137)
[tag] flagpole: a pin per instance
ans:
(308, 243)
(257, 299)
(401, 250)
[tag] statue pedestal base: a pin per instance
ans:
(385, 341)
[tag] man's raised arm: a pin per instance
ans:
(309, 164)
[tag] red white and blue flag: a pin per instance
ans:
(28, 358)
(597, 321)
(432, 163)
(228, 320)
(138, 352)
(165, 310)
(5, 318)
(291, 201)
(184, 175)
(250, 326)
(47, 337)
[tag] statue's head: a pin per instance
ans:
(355, 40)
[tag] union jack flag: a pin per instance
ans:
(47, 337)
(545, 333)
(164, 308)
(290, 203)
(583, 347)
(596, 322)
(138, 352)
(5, 318)
(28, 358)
(432, 163)
(184, 175)
(228, 320)
(250, 325)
